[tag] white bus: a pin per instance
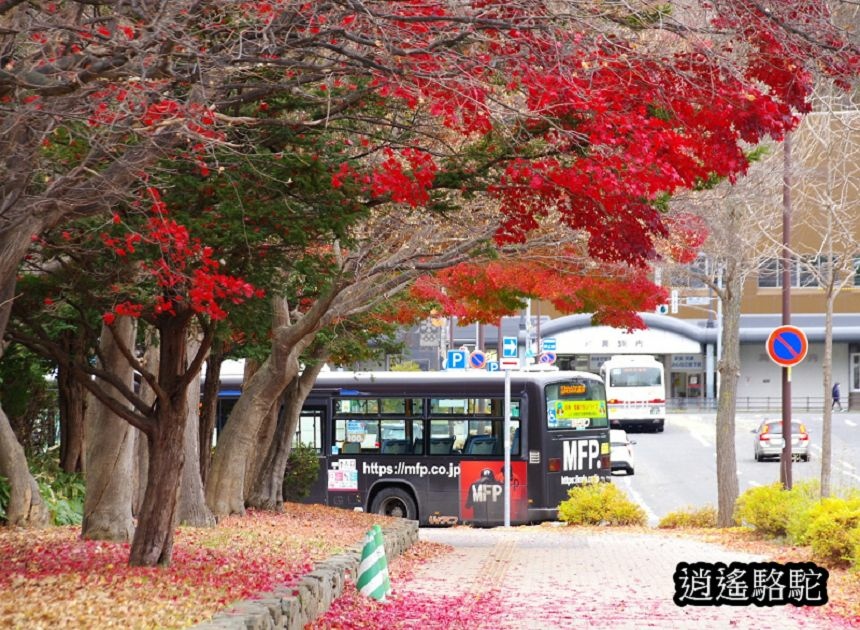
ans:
(635, 391)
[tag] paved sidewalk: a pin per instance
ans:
(551, 577)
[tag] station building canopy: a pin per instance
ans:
(574, 334)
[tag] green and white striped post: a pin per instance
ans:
(373, 570)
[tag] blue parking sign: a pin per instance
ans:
(456, 360)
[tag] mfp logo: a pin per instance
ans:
(581, 454)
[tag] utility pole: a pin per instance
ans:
(785, 458)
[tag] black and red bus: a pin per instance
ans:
(429, 446)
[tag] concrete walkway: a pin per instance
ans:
(553, 577)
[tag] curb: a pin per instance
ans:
(291, 608)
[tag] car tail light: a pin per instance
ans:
(606, 462)
(613, 401)
(554, 464)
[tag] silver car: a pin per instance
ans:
(621, 451)
(768, 440)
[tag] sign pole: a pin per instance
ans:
(507, 442)
(785, 459)
(786, 346)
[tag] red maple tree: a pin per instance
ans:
(588, 112)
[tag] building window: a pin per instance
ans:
(809, 271)
(857, 271)
(805, 272)
(855, 371)
(768, 274)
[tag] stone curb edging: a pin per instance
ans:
(291, 608)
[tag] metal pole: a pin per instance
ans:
(719, 327)
(785, 459)
(507, 431)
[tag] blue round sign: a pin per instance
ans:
(477, 359)
(547, 358)
(787, 345)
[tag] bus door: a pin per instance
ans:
(312, 431)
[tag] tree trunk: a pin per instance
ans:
(141, 448)
(225, 483)
(264, 444)
(193, 510)
(265, 434)
(209, 407)
(827, 418)
(72, 399)
(153, 538)
(110, 449)
(729, 369)
(26, 507)
(268, 491)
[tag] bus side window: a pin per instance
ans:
(442, 446)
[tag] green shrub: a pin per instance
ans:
(4, 498)
(689, 517)
(62, 492)
(834, 531)
(599, 503)
(769, 509)
(301, 473)
(798, 521)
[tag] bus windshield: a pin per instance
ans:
(576, 404)
(635, 377)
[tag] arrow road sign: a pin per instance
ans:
(787, 345)
(509, 347)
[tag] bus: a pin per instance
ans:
(428, 446)
(635, 391)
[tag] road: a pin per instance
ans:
(677, 468)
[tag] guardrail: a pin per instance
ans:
(749, 403)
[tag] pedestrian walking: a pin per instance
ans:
(836, 401)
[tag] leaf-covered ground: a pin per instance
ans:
(51, 578)
(489, 611)
(843, 585)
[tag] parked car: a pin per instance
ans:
(768, 440)
(621, 451)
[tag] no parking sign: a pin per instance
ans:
(787, 345)
(477, 359)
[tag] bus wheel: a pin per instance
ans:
(394, 502)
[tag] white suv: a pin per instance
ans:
(621, 451)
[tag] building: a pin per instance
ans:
(685, 334)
